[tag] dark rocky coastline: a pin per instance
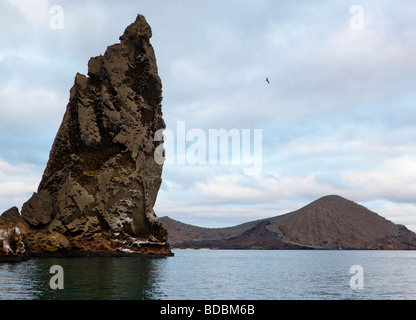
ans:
(101, 182)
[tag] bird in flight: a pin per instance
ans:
(267, 80)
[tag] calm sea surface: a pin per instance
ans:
(220, 275)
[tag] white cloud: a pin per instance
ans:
(17, 183)
(35, 12)
(16, 188)
(28, 109)
(242, 189)
(391, 179)
(9, 169)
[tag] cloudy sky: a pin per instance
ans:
(338, 116)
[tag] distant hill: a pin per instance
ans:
(331, 222)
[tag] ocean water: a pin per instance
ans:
(219, 275)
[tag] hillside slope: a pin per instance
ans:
(331, 222)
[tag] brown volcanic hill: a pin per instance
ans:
(335, 221)
(330, 222)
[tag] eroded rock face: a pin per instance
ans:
(12, 236)
(101, 182)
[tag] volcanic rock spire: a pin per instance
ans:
(101, 181)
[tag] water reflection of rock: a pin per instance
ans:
(98, 278)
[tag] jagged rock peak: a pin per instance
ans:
(140, 28)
